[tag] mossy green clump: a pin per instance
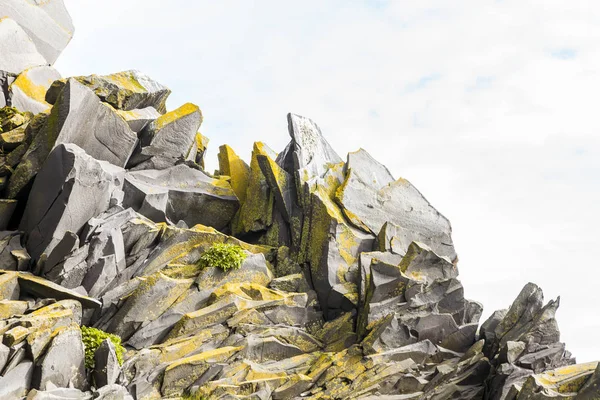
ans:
(223, 256)
(92, 338)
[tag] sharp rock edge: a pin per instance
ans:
(349, 287)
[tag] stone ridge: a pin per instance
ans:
(348, 284)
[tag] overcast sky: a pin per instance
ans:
(490, 108)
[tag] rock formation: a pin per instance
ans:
(342, 282)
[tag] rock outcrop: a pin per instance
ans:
(297, 275)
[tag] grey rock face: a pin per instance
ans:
(168, 139)
(106, 365)
(48, 24)
(63, 363)
(16, 383)
(349, 288)
(71, 188)
(17, 49)
(83, 120)
(370, 197)
(309, 152)
(139, 118)
(178, 194)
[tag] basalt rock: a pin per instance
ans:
(347, 286)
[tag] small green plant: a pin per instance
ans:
(224, 256)
(92, 338)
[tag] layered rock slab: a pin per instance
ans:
(180, 193)
(370, 198)
(71, 188)
(80, 118)
(47, 24)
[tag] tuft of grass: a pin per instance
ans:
(223, 256)
(92, 338)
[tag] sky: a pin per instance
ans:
(490, 108)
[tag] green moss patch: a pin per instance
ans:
(92, 338)
(223, 256)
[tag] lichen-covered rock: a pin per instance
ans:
(28, 91)
(182, 373)
(126, 91)
(168, 139)
(347, 283)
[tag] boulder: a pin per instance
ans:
(63, 363)
(167, 140)
(106, 365)
(48, 25)
(126, 91)
(28, 91)
(369, 197)
(180, 193)
(43, 288)
(18, 51)
(230, 164)
(16, 383)
(139, 118)
(309, 156)
(183, 373)
(71, 188)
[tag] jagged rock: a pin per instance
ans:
(281, 184)
(79, 117)
(28, 91)
(69, 179)
(45, 289)
(139, 118)
(309, 155)
(47, 23)
(168, 139)
(106, 365)
(63, 363)
(183, 373)
(349, 288)
(257, 210)
(387, 334)
(290, 283)
(369, 197)
(234, 167)
(562, 382)
(591, 388)
(269, 349)
(17, 49)
(127, 90)
(16, 382)
(178, 194)
(159, 290)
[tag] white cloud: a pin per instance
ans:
(489, 108)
